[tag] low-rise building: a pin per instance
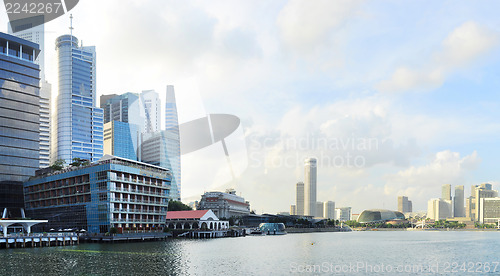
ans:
(112, 192)
(224, 205)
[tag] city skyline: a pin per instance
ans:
(408, 91)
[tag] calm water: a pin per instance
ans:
(354, 253)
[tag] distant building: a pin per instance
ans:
(123, 108)
(329, 210)
(458, 202)
(439, 209)
(293, 210)
(319, 209)
(446, 192)
(20, 120)
(477, 192)
(151, 105)
(489, 210)
(113, 192)
(299, 199)
(174, 141)
(122, 139)
(380, 215)
(195, 220)
(310, 175)
(404, 205)
(343, 213)
(224, 205)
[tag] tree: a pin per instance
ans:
(58, 165)
(77, 162)
(174, 205)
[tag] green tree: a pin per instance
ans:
(78, 162)
(174, 205)
(58, 165)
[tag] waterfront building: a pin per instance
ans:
(477, 192)
(195, 220)
(293, 210)
(380, 215)
(343, 213)
(329, 210)
(489, 211)
(319, 209)
(299, 199)
(32, 29)
(439, 209)
(121, 139)
(404, 205)
(20, 120)
(77, 130)
(113, 192)
(151, 106)
(224, 205)
(174, 142)
(446, 192)
(310, 174)
(458, 202)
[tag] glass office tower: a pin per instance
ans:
(78, 123)
(173, 143)
(19, 120)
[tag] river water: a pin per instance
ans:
(348, 253)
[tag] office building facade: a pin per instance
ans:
(121, 139)
(151, 108)
(299, 198)
(19, 119)
(439, 209)
(446, 192)
(458, 202)
(329, 210)
(113, 192)
(310, 174)
(489, 211)
(293, 210)
(78, 124)
(343, 213)
(319, 209)
(174, 143)
(404, 205)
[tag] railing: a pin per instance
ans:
(138, 201)
(136, 211)
(122, 220)
(137, 191)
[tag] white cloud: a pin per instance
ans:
(462, 46)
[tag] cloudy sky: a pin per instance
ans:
(392, 97)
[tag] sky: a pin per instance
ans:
(392, 97)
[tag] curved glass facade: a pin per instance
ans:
(379, 215)
(78, 124)
(272, 228)
(19, 119)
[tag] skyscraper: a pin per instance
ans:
(404, 205)
(19, 119)
(23, 28)
(121, 139)
(329, 210)
(174, 143)
(319, 209)
(151, 106)
(299, 199)
(446, 192)
(78, 124)
(310, 171)
(458, 206)
(123, 108)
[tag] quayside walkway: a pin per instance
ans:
(38, 240)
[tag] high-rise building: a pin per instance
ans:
(121, 139)
(299, 198)
(473, 202)
(319, 209)
(293, 210)
(151, 106)
(343, 213)
(446, 192)
(490, 210)
(458, 202)
(23, 28)
(439, 209)
(310, 172)
(123, 108)
(329, 210)
(19, 119)
(78, 124)
(404, 205)
(154, 149)
(174, 143)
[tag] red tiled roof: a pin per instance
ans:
(186, 214)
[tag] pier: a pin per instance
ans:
(39, 240)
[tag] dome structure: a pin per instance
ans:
(379, 215)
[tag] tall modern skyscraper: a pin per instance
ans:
(23, 28)
(174, 142)
(310, 172)
(122, 139)
(446, 192)
(458, 205)
(299, 199)
(19, 119)
(151, 106)
(329, 210)
(78, 124)
(123, 108)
